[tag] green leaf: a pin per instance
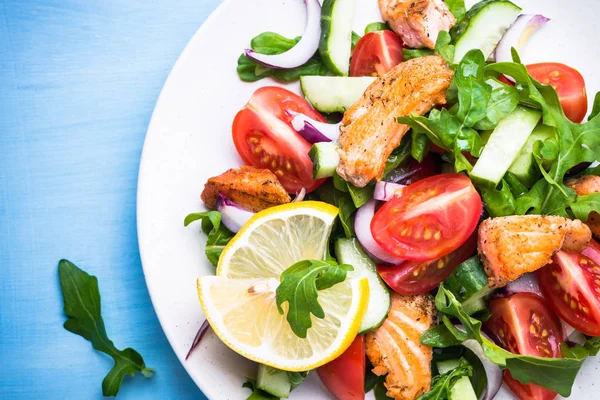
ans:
(473, 93)
(257, 394)
(584, 205)
(360, 196)
(442, 384)
(355, 38)
(81, 297)
(299, 287)
(499, 203)
(457, 8)
(503, 101)
(371, 380)
(273, 43)
(296, 378)
(376, 26)
(439, 336)
(419, 145)
(596, 108)
(398, 156)
(443, 46)
(409, 54)
(342, 200)
(217, 234)
(380, 392)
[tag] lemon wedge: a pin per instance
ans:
(240, 302)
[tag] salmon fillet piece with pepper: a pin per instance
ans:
(418, 22)
(584, 185)
(512, 246)
(395, 347)
(250, 188)
(370, 130)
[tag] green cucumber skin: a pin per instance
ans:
(273, 381)
(317, 154)
(326, 12)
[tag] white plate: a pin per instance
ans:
(189, 140)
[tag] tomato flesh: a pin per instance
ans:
(376, 53)
(523, 324)
(569, 85)
(429, 219)
(572, 286)
(264, 138)
(417, 277)
(344, 377)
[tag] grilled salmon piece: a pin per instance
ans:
(395, 347)
(512, 246)
(588, 184)
(370, 130)
(418, 22)
(251, 188)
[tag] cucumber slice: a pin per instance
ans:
(524, 167)
(335, 45)
(483, 27)
(462, 388)
(469, 284)
(504, 145)
(325, 159)
(273, 381)
(348, 251)
(333, 93)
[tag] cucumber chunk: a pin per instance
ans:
(469, 283)
(333, 93)
(325, 159)
(483, 27)
(273, 381)
(524, 167)
(335, 45)
(348, 251)
(504, 146)
(462, 388)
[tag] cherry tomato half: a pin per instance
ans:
(264, 137)
(523, 324)
(376, 53)
(571, 284)
(430, 219)
(417, 277)
(344, 377)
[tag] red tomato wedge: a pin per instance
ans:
(264, 137)
(430, 219)
(344, 377)
(376, 53)
(571, 285)
(417, 277)
(523, 324)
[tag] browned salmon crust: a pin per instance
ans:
(370, 131)
(395, 347)
(512, 246)
(584, 185)
(418, 22)
(251, 188)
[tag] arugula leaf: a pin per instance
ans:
(257, 394)
(499, 203)
(218, 234)
(419, 145)
(584, 205)
(443, 46)
(371, 380)
(81, 297)
(355, 38)
(377, 26)
(360, 196)
(273, 43)
(409, 54)
(398, 156)
(595, 108)
(299, 287)
(380, 392)
(503, 101)
(442, 384)
(342, 199)
(457, 8)
(556, 374)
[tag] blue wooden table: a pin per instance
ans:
(78, 82)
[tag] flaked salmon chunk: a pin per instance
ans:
(370, 130)
(251, 188)
(395, 347)
(417, 22)
(512, 246)
(584, 185)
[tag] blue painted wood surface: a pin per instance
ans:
(78, 82)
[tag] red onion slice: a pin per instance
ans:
(572, 334)
(526, 283)
(232, 216)
(314, 131)
(384, 191)
(303, 50)
(492, 371)
(203, 328)
(517, 35)
(299, 195)
(362, 228)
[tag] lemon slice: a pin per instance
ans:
(240, 302)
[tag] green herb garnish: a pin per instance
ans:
(218, 235)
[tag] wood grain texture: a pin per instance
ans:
(78, 82)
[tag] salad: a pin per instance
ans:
(419, 222)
